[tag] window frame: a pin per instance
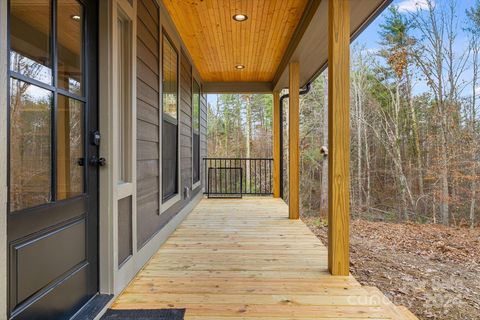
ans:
(124, 129)
(125, 102)
(176, 197)
(196, 184)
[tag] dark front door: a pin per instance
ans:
(53, 182)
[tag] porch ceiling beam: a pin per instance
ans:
(238, 87)
(356, 32)
(277, 122)
(308, 14)
(294, 140)
(309, 43)
(338, 136)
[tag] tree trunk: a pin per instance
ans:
(358, 109)
(367, 170)
(473, 128)
(324, 182)
(444, 201)
(248, 139)
(416, 137)
(397, 154)
(472, 204)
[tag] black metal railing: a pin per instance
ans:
(234, 177)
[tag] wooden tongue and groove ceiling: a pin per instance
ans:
(217, 43)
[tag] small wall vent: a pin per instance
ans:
(186, 192)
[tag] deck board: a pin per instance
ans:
(244, 259)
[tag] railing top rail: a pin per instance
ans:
(229, 158)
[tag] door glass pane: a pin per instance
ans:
(30, 41)
(30, 145)
(69, 46)
(70, 140)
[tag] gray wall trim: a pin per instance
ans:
(237, 87)
(3, 158)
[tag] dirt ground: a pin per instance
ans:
(433, 270)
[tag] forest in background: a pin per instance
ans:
(414, 122)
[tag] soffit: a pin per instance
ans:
(217, 43)
(311, 51)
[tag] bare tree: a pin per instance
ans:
(473, 29)
(443, 70)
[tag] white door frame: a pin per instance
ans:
(112, 278)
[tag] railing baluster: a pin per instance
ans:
(264, 176)
(244, 166)
(262, 172)
(259, 173)
(250, 176)
(270, 175)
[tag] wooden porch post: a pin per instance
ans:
(293, 145)
(338, 136)
(277, 122)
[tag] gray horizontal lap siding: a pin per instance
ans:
(148, 108)
(185, 121)
(149, 222)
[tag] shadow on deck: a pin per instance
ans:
(244, 259)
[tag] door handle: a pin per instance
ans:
(99, 162)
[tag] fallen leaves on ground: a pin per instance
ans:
(433, 270)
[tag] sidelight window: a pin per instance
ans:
(124, 113)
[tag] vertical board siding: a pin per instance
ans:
(185, 121)
(148, 139)
(149, 221)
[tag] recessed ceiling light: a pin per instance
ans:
(239, 66)
(240, 17)
(76, 18)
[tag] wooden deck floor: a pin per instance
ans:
(243, 259)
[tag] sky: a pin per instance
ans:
(369, 38)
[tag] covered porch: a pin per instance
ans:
(244, 259)
(152, 62)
